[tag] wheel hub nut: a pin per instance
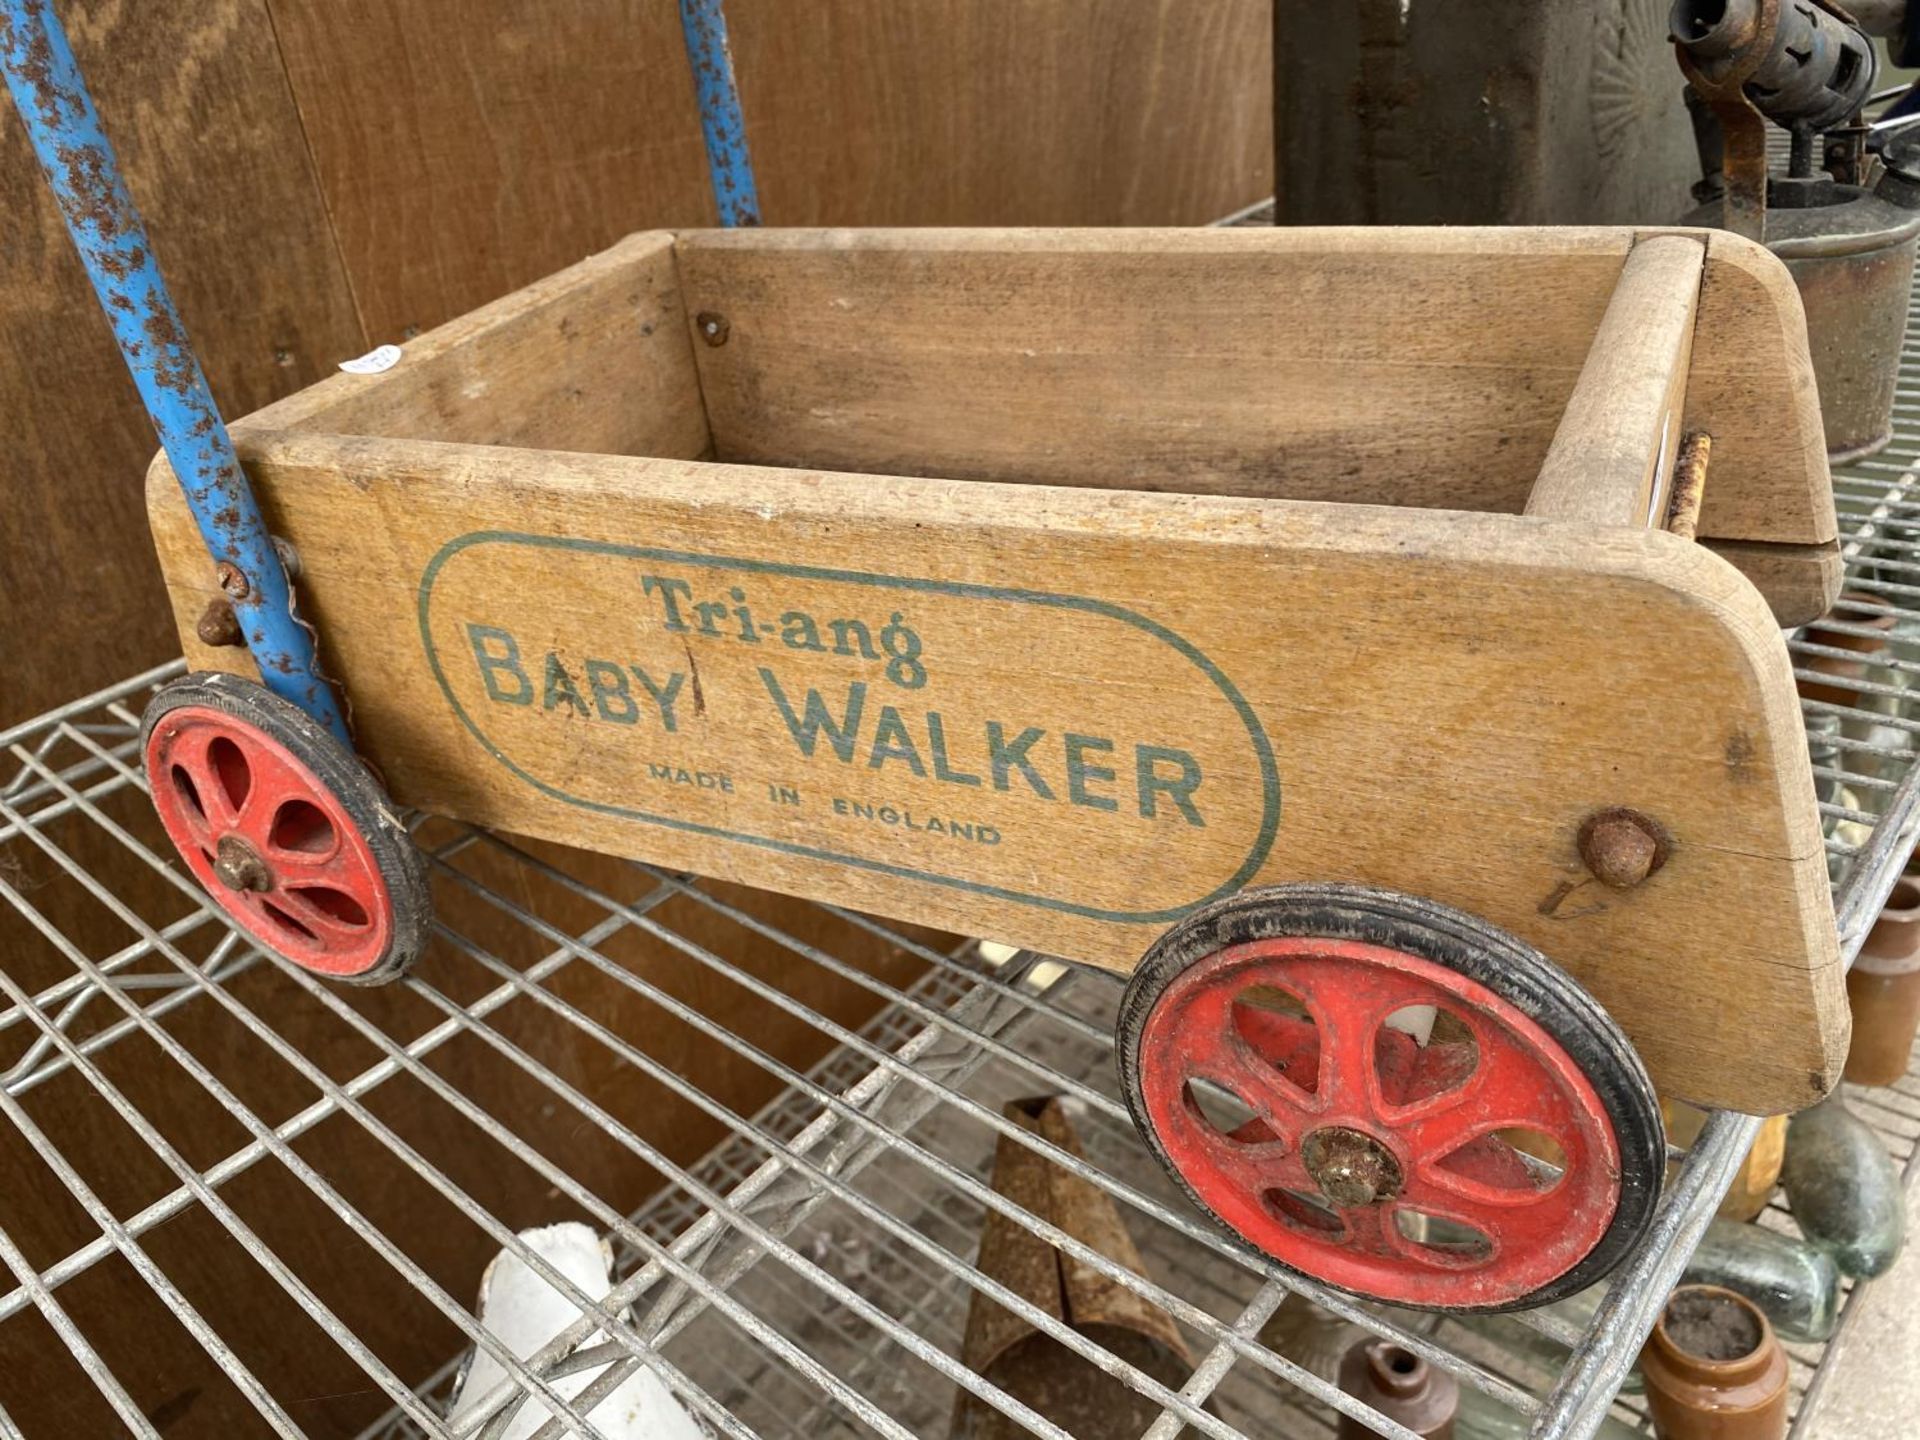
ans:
(1621, 847)
(240, 867)
(1351, 1168)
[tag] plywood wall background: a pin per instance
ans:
(320, 176)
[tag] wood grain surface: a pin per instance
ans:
(323, 175)
(303, 166)
(1612, 457)
(595, 358)
(468, 148)
(1420, 367)
(1002, 112)
(1062, 717)
(209, 141)
(1799, 582)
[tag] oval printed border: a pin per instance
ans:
(1256, 734)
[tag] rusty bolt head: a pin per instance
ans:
(218, 625)
(713, 327)
(1622, 847)
(1351, 1168)
(240, 867)
(233, 580)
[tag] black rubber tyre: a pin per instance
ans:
(348, 781)
(1509, 967)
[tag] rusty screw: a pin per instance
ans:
(1351, 1168)
(239, 867)
(713, 327)
(1622, 847)
(218, 625)
(233, 580)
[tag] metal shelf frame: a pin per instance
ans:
(812, 1274)
(725, 1288)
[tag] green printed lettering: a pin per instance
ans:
(806, 731)
(798, 631)
(903, 650)
(560, 687)
(937, 742)
(608, 684)
(506, 658)
(1004, 757)
(892, 742)
(663, 695)
(744, 616)
(1079, 772)
(843, 633)
(670, 590)
(1180, 790)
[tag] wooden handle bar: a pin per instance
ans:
(1619, 435)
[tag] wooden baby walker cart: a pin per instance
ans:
(1309, 622)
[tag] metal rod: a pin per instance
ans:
(249, 1154)
(210, 1340)
(1586, 1387)
(1208, 1374)
(977, 1190)
(704, 22)
(598, 1312)
(107, 230)
(83, 1353)
(159, 675)
(1584, 1391)
(721, 1259)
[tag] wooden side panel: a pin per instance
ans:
(1763, 413)
(1410, 367)
(210, 145)
(1799, 582)
(468, 148)
(1184, 695)
(596, 358)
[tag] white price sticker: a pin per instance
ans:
(374, 361)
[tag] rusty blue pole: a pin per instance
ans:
(705, 24)
(107, 231)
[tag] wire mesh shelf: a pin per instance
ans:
(225, 1178)
(810, 1275)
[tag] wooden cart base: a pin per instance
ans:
(1065, 714)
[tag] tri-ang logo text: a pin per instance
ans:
(932, 729)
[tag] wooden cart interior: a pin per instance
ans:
(1366, 527)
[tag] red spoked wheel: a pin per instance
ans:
(1392, 1097)
(285, 828)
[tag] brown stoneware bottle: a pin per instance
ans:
(1714, 1370)
(1883, 989)
(1401, 1386)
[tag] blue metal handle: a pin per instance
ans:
(705, 25)
(107, 231)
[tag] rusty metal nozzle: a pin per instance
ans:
(1813, 70)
